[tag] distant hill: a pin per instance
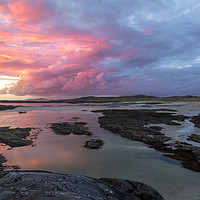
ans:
(38, 99)
(93, 99)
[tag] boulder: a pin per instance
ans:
(140, 190)
(94, 144)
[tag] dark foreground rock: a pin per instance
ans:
(15, 137)
(140, 190)
(139, 125)
(66, 128)
(94, 144)
(49, 186)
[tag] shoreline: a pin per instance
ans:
(143, 125)
(113, 99)
(150, 131)
(188, 109)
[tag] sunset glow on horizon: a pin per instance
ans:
(58, 48)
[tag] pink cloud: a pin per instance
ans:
(28, 12)
(51, 58)
(70, 79)
(16, 67)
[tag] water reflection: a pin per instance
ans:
(119, 157)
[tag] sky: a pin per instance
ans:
(64, 48)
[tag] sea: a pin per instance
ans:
(119, 157)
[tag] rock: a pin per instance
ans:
(166, 109)
(15, 137)
(194, 138)
(2, 160)
(7, 107)
(19, 143)
(138, 125)
(196, 120)
(140, 190)
(80, 123)
(65, 128)
(44, 185)
(173, 124)
(94, 144)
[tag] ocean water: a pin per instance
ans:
(119, 157)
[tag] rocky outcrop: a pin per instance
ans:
(7, 107)
(15, 137)
(45, 185)
(140, 190)
(187, 153)
(66, 128)
(194, 138)
(196, 120)
(94, 144)
(139, 125)
(2, 160)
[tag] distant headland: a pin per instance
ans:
(106, 99)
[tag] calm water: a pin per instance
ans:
(119, 157)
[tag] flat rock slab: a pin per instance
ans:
(45, 185)
(15, 137)
(66, 128)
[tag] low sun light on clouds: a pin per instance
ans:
(61, 48)
(7, 81)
